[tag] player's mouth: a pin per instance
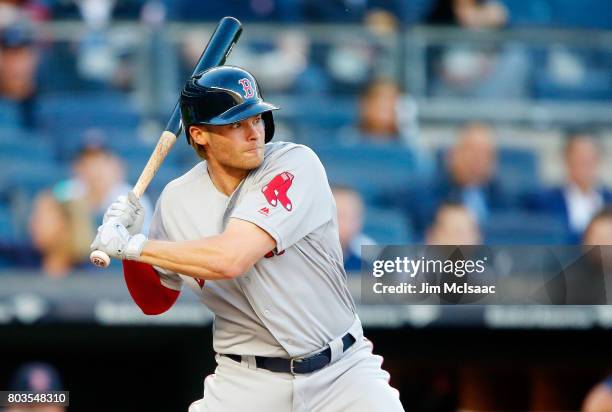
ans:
(255, 149)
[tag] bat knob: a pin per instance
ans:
(99, 259)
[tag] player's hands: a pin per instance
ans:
(115, 240)
(128, 211)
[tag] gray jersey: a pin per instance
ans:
(294, 300)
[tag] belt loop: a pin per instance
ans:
(250, 361)
(337, 348)
(356, 330)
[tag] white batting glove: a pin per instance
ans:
(115, 240)
(128, 211)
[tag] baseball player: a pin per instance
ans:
(252, 229)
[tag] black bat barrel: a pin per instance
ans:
(215, 53)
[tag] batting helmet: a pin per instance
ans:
(224, 95)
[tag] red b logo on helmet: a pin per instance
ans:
(247, 87)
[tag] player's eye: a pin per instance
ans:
(235, 125)
(257, 119)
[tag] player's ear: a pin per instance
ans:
(199, 135)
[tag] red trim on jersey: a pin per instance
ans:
(146, 289)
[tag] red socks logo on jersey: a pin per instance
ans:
(276, 190)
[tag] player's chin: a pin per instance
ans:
(253, 160)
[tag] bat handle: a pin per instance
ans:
(99, 258)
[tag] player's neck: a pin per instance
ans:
(225, 179)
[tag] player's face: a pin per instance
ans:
(238, 145)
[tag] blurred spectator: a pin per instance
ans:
(587, 280)
(469, 13)
(454, 224)
(594, 280)
(476, 70)
(61, 233)
(599, 230)
(466, 176)
(381, 22)
(99, 179)
(281, 65)
(30, 9)
(385, 116)
(356, 60)
(581, 196)
(105, 58)
(37, 378)
(18, 65)
(469, 177)
(599, 398)
(350, 224)
(378, 116)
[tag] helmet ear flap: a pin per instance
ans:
(268, 125)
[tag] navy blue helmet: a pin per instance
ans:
(224, 95)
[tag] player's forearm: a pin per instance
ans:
(205, 258)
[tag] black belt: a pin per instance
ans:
(298, 365)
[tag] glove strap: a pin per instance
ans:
(134, 246)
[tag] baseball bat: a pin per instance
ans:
(215, 54)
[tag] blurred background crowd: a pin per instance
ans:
(438, 121)
(498, 107)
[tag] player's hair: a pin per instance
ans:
(199, 149)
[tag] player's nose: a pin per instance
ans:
(254, 129)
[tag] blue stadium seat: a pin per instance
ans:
(72, 111)
(11, 135)
(387, 226)
(244, 10)
(31, 149)
(517, 172)
(67, 10)
(335, 11)
(166, 173)
(318, 111)
(7, 230)
(586, 14)
(596, 85)
(372, 169)
(70, 140)
(530, 13)
(28, 178)
(133, 154)
(134, 151)
(515, 228)
(9, 114)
